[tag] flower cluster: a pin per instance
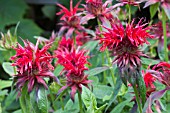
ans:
(33, 64)
(96, 8)
(124, 45)
(74, 61)
(71, 20)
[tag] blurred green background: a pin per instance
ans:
(35, 17)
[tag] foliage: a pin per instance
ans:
(99, 61)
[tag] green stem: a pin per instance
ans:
(62, 105)
(110, 65)
(99, 24)
(80, 102)
(164, 33)
(137, 99)
(103, 59)
(74, 38)
(129, 7)
(104, 73)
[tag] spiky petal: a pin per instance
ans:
(149, 80)
(74, 61)
(33, 64)
(163, 73)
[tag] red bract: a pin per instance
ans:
(137, 34)
(128, 59)
(157, 30)
(23, 58)
(32, 64)
(96, 8)
(112, 37)
(134, 35)
(71, 20)
(82, 38)
(66, 44)
(149, 80)
(69, 13)
(163, 73)
(74, 65)
(73, 61)
(124, 45)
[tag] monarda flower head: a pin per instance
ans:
(33, 64)
(162, 73)
(81, 38)
(96, 8)
(124, 43)
(149, 80)
(74, 65)
(71, 20)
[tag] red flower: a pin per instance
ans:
(133, 35)
(137, 34)
(32, 65)
(74, 65)
(96, 8)
(73, 61)
(66, 44)
(162, 73)
(149, 80)
(112, 37)
(157, 30)
(82, 38)
(71, 20)
(124, 45)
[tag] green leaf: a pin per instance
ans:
(11, 11)
(8, 68)
(91, 45)
(115, 92)
(120, 106)
(18, 111)
(42, 100)
(100, 91)
(70, 106)
(149, 61)
(5, 84)
(58, 69)
(0, 108)
(27, 29)
(3, 92)
(88, 98)
(99, 110)
(141, 88)
(153, 9)
(49, 11)
(10, 98)
(96, 71)
(25, 102)
(95, 79)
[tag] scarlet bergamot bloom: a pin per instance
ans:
(124, 43)
(74, 61)
(71, 21)
(33, 65)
